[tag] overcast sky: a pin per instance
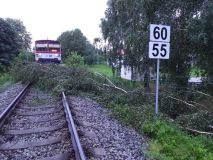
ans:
(49, 18)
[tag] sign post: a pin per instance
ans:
(157, 86)
(159, 48)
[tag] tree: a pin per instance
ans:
(23, 37)
(177, 14)
(125, 28)
(75, 41)
(201, 29)
(8, 47)
(126, 25)
(13, 39)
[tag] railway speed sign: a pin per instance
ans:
(159, 46)
(159, 50)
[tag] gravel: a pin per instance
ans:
(103, 136)
(8, 95)
(36, 152)
(36, 100)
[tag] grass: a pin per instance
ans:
(4, 77)
(102, 69)
(5, 81)
(107, 71)
(170, 143)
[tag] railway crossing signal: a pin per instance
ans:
(159, 48)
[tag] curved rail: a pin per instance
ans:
(79, 153)
(12, 105)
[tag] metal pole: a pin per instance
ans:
(157, 86)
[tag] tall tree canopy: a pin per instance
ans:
(201, 29)
(13, 39)
(126, 26)
(23, 37)
(75, 41)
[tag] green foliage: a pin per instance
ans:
(102, 69)
(131, 114)
(8, 47)
(75, 41)
(23, 37)
(201, 28)
(5, 81)
(189, 108)
(14, 38)
(74, 60)
(58, 78)
(169, 142)
(25, 56)
(126, 26)
(199, 121)
(106, 70)
(196, 72)
(4, 77)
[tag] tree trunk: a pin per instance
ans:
(146, 78)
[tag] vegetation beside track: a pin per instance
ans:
(5, 81)
(5, 77)
(135, 108)
(107, 71)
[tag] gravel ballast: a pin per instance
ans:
(8, 95)
(103, 136)
(36, 129)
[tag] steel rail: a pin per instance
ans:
(12, 105)
(79, 153)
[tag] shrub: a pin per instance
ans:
(5, 77)
(25, 56)
(74, 60)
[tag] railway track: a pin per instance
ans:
(35, 126)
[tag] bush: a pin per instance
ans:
(132, 115)
(74, 60)
(5, 77)
(25, 56)
(199, 121)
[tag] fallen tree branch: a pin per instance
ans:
(183, 102)
(105, 78)
(199, 105)
(196, 131)
(204, 94)
(112, 85)
(115, 87)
